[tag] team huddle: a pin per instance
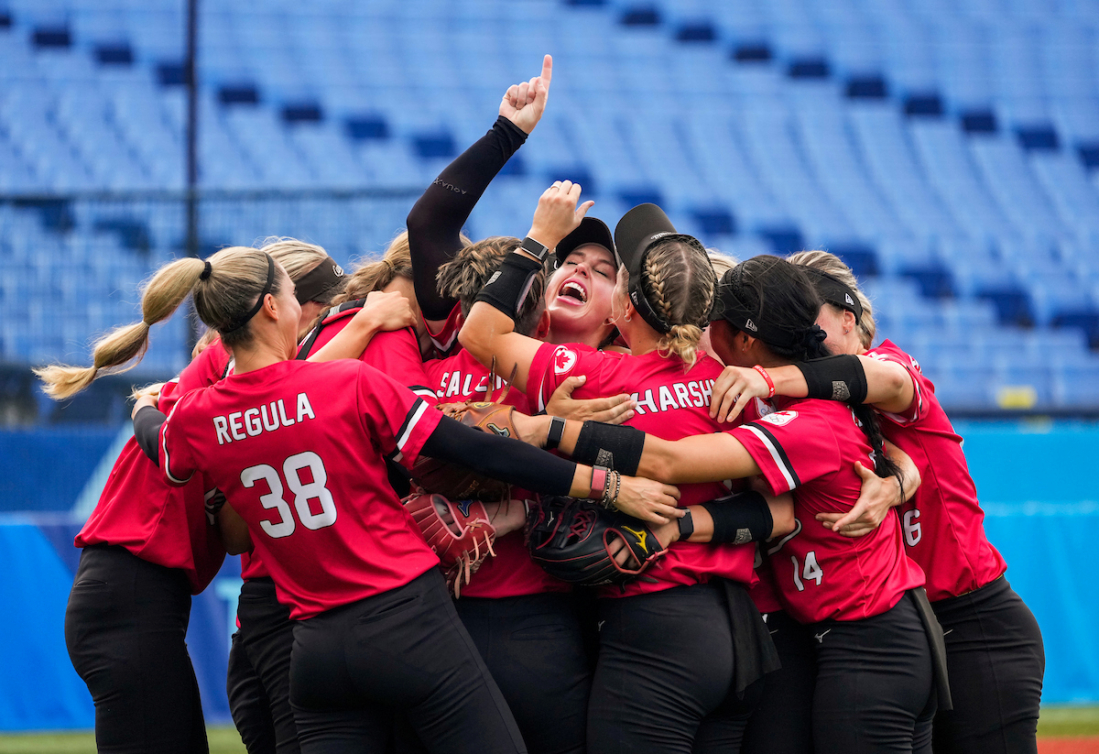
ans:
(586, 491)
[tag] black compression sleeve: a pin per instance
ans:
(147, 425)
(436, 220)
(501, 458)
(741, 518)
(835, 378)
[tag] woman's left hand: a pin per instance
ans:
(877, 497)
(648, 500)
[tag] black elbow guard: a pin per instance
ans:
(740, 518)
(508, 286)
(835, 378)
(615, 447)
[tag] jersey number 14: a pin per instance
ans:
(811, 571)
(303, 493)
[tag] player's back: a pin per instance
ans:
(298, 449)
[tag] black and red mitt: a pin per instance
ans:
(573, 540)
(460, 533)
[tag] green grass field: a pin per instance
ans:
(1055, 721)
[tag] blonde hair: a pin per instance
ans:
(678, 279)
(834, 266)
(299, 258)
(722, 262)
(238, 276)
(374, 276)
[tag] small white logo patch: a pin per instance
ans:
(563, 361)
(847, 297)
(780, 418)
(751, 326)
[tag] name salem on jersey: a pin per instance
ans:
(267, 418)
(458, 384)
(677, 395)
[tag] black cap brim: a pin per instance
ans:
(639, 229)
(591, 230)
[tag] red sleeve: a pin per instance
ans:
(176, 456)
(397, 354)
(790, 448)
(398, 419)
(918, 409)
(552, 365)
(445, 338)
(206, 369)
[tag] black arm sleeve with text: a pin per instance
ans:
(436, 220)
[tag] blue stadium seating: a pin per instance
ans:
(948, 149)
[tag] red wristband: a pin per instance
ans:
(598, 482)
(767, 377)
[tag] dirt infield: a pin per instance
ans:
(1072, 745)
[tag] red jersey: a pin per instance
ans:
(811, 447)
(943, 524)
(511, 573)
(445, 337)
(395, 353)
(294, 445)
(671, 404)
(763, 593)
(155, 521)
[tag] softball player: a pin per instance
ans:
(874, 680)
(146, 548)
(375, 624)
(695, 588)
(993, 643)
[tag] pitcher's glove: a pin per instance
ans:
(458, 482)
(572, 541)
(458, 532)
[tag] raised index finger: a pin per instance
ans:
(547, 70)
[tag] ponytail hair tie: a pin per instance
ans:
(206, 271)
(813, 338)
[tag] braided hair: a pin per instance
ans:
(678, 280)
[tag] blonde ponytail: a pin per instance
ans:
(683, 342)
(834, 266)
(162, 296)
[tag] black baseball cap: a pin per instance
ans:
(591, 230)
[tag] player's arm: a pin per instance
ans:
(436, 220)
(233, 531)
(147, 422)
(877, 497)
(489, 331)
(534, 469)
(700, 458)
(382, 312)
(886, 385)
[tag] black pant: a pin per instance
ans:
(261, 653)
(534, 648)
(664, 680)
(997, 661)
(406, 650)
(874, 689)
(125, 629)
(783, 722)
(248, 701)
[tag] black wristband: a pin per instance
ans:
(509, 285)
(835, 378)
(147, 423)
(615, 447)
(686, 526)
(556, 430)
(741, 518)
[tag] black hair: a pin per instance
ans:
(779, 300)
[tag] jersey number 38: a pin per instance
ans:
(303, 493)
